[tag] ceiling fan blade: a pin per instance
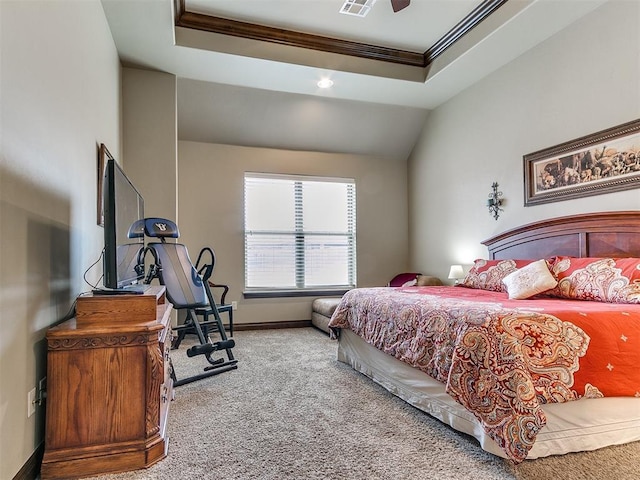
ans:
(398, 5)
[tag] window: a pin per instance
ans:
(299, 233)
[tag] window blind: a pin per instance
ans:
(300, 232)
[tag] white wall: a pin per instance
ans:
(580, 81)
(211, 191)
(59, 99)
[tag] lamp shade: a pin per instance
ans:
(456, 272)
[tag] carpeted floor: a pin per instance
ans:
(292, 411)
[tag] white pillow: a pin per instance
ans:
(529, 280)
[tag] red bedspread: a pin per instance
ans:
(501, 358)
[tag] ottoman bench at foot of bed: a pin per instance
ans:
(321, 311)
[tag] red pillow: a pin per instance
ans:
(614, 280)
(403, 278)
(488, 274)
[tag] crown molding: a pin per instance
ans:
(263, 33)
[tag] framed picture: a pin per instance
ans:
(604, 162)
(103, 156)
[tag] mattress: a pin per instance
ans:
(502, 358)
(580, 425)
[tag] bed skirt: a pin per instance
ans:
(582, 425)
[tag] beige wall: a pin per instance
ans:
(211, 214)
(60, 98)
(582, 80)
(150, 138)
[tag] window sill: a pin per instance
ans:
(319, 292)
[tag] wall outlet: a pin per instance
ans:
(31, 402)
(234, 305)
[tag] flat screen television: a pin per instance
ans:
(123, 266)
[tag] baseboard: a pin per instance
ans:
(272, 325)
(31, 469)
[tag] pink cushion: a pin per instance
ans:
(403, 279)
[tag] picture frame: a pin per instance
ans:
(103, 157)
(603, 162)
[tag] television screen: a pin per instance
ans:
(123, 230)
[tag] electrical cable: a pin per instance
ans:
(72, 310)
(84, 275)
(71, 313)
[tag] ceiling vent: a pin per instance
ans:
(359, 8)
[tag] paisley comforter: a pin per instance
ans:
(502, 359)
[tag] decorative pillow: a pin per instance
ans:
(614, 280)
(404, 280)
(427, 281)
(529, 280)
(488, 274)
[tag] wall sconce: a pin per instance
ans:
(495, 202)
(456, 273)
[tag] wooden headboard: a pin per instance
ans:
(607, 234)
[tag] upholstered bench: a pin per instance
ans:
(321, 311)
(323, 308)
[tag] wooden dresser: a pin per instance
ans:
(109, 386)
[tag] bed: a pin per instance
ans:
(528, 373)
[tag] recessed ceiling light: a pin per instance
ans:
(325, 83)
